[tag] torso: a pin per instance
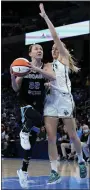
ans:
(62, 81)
(32, 91)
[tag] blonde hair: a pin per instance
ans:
(72, 64)
(72, 61)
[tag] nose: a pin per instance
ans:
(40, 51)
(53, 52)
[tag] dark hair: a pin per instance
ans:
(30, 47)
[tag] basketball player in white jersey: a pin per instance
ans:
(59, 103)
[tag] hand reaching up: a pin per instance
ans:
(42, 14)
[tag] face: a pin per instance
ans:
(85, 129)
(36, 52)
(55, 52)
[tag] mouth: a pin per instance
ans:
(54, 54)
(39, 54)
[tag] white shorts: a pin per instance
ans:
(61, 105)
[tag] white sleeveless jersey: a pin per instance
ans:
(59, 101)
(62, 82)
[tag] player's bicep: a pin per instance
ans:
(48, 68)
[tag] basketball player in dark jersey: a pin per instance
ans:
(31, 93)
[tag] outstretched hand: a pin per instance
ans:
(42, 14)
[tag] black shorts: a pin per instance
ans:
(34, 118)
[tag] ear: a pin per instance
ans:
(30, 54)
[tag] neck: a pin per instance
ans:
(37, 63)
(54, 60)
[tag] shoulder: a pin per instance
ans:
(64, 60)
(47, 66)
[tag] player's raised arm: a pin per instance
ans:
(56, 39)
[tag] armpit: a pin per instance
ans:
(64, 60)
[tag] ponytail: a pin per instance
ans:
(72, 64)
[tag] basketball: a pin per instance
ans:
(20, 67)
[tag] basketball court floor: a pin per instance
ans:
(39, 171)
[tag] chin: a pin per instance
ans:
(54, 57)
(39, 57)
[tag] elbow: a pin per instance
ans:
(52, 78)
(15, 89)
(55, 36)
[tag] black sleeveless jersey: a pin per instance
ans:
(32, 91)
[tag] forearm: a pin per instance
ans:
(48, 75)
(50, 26)
(14, 84)
(55, 36)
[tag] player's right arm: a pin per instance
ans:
(62, 50)
(15, 81)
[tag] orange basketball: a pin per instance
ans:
(20, 67)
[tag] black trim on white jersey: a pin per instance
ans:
(73, 109)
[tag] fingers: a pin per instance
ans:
(30, 65)
(40, 14)
(41, 6)
(47, 84)
(11, 71)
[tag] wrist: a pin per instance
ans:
(12, 76)
(45, 16)
(37, 69)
